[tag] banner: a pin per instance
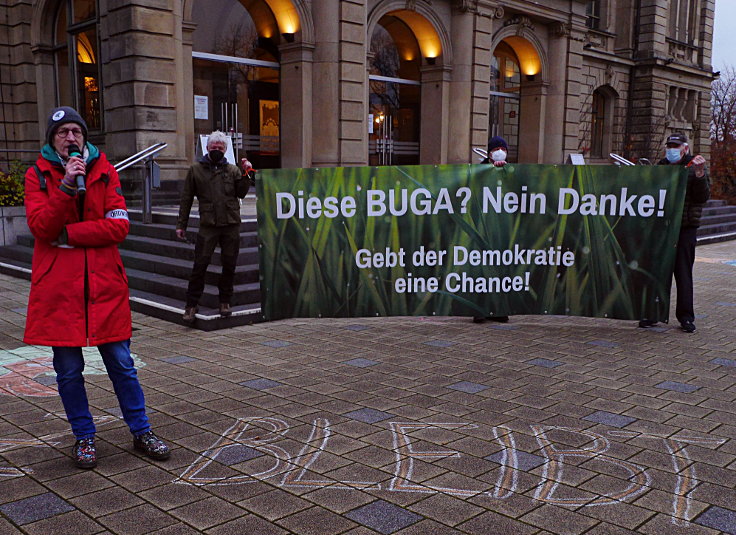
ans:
(469, 240)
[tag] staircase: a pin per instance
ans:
(158, 267)
(718, 223)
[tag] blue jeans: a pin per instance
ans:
(68, 363)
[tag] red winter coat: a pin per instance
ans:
(59, 313)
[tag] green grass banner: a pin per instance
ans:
(469, 240)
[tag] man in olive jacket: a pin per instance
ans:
(217, 185)
(698, 192)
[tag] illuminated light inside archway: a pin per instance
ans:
(286, 15)
(529, 61)
(85, 51)
(426, 35)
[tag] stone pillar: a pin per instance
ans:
(21, 116)
(142, 61)
(325, 84)
(353, 128)
(296, 105)
(481, 81)
(434, 133)
(532, 121)
(554, 139)
(461, 86)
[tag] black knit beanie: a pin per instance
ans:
(60, 116)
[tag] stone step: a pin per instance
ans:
(165, 286)
(163, 231)
(716, 238)
(716, 219)
(181, 269)
(719, 210)
(207, 319)
(719, 228)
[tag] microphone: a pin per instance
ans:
(74, 151)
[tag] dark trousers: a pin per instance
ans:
(228, 238)
(684, 260)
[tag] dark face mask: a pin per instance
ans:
(216, 156)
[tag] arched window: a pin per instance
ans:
(77, 61)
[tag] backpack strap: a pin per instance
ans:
(41, 178)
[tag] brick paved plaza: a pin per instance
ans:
(392, 426)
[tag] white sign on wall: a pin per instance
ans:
(200, 107)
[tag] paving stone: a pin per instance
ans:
(677, 387)
(181, 359)
(35, 508)
(545, 363)
(724, 362)
(383, 517)
(369, 416)
(237, 453)
(718, 518)
(276, 343)
(604, 343)
(204, 514)
(608, 418)
(525, 461)
(361, 363)
(439, 343)
(468, 387)
(260, 384)
(357, 327)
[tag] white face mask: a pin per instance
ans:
(498, 155)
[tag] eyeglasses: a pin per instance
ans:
(61, 133)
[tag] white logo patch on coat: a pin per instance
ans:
(58, 115)
(117, 214)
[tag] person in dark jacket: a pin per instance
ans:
(498, 151)
(79, 290)
(698, 192)
(217, 185)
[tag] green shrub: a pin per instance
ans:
(12, 187)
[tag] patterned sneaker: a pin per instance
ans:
(85, 453)
(152, 446)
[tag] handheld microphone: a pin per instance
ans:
(75, 152)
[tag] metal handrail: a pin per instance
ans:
(481, 152)
(620, 159)
(142, 155)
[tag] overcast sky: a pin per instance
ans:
(724, 35)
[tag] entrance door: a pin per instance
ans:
(242, 100)
(394, 103)
(505, 98)
(393, 133)
(236, 78)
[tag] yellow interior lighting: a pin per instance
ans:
(85, 51)
(529, 61)
(426, 35)
(286, 15)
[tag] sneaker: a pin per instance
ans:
(189, 314)
(687, 326)
(647, 323)
(478, 319)
(152, 446)
(225, 310)
(85, 453)
(499, 319)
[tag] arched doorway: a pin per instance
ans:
(394, 101)
(517, 98)
(236, 76)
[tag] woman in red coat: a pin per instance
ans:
(79, 290)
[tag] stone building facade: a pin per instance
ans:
(309, 83)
